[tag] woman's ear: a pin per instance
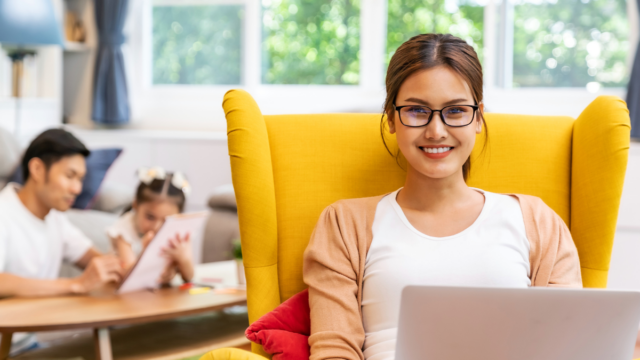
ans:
(134, 205)
(480, 118)
(392, 125)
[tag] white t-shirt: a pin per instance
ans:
(35, 248)
(493, 252)
(125, 227)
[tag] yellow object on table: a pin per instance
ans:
(199, 290)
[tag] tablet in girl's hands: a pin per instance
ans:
(151, 263)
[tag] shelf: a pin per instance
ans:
(78, 62)
(70, 46)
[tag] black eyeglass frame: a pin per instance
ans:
(433, 111)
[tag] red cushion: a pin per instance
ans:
(284, 332)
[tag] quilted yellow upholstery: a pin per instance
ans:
(287, 168)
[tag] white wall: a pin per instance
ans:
(625, 260)
(35, 115)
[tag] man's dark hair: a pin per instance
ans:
(51, 146)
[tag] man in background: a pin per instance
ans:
(36, 236)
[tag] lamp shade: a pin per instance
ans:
(29, 22)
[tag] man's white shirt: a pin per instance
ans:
(35, 248)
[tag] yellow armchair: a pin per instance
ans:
(287, 168)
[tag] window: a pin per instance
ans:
(185, 54)
(556, 43)
(310, 41)
(197, 44)
(570, 43)
(407, 18)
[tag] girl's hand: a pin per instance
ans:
(146, 239)
(178, 249)
(178, 252)
(168, 273)
(124, 252)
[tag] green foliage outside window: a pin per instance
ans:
(311, 41)
(407, 18)
(570, 43)
(197, 45)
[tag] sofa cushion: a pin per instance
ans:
(223, 201)
(224, 198)
(220, 231)
(113, 198)
(9, 155)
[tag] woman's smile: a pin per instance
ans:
(436, 151)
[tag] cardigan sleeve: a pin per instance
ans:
(553, 255)
(566, 263)
(330, 270)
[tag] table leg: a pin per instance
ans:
(102, 343)
(5, 346)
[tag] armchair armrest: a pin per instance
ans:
(231, 354)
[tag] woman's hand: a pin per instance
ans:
(178, 252)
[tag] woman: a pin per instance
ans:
(435, 230)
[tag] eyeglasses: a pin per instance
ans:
(454, 115)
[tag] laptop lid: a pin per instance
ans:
(456, 323)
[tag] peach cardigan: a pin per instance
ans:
(334, 264)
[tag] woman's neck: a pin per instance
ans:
(427, 194)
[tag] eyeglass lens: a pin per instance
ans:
(457, 115)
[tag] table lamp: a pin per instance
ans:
(25, 23)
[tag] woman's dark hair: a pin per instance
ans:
(160, 190)
(51, 146)
(427, 51)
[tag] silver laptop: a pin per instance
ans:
(454, 323)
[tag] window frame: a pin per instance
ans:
(197, 105)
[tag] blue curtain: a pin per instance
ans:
(633, 94)
(110, 96)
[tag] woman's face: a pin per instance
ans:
(436, 88)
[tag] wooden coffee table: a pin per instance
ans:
(102, 311)
(171, 339)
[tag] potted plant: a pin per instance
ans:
(237, 255)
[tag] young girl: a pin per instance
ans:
(435, 230)
(159, 195)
